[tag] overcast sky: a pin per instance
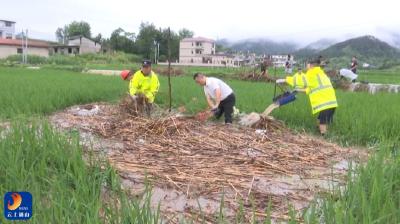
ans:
(300, 21)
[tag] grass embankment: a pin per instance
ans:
(65, 188)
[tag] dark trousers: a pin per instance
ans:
(226, 107)
(326, 116)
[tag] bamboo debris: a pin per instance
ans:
(202, 159)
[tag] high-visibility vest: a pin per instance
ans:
(297, 81)
(319, 90)
(147, 85)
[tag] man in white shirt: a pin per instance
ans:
(219, 95)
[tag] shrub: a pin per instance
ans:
(32, 59)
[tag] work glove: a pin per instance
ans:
(214, 110)
(297, 90)
(280, 81)
(134, 97)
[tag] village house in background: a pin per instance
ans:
(200, 51)
(77, 45)
(280, 60)
(11, 45)
(197, 51)
(7, 29)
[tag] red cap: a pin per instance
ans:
(125, 74)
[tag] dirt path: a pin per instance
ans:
(192, 164)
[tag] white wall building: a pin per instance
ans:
(7, 29)
(200, 51)
(280, 60)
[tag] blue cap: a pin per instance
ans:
(146, 63)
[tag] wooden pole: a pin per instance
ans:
(169, 69)
(274, 81)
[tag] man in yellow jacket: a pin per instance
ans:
(297, 81)
(144, 81)
(316, 84)
(321, 94)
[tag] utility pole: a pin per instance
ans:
(26, 47)
(169, 69)
(23, 47)
(155, 51)
(158, 52)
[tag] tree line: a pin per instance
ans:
(145, 43)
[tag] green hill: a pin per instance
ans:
(367, 49)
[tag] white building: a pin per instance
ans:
(280, 60)
(200, 51)
(7, 29)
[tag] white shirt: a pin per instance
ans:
(348, 74)
(212, 84)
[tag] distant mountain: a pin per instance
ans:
(390, 36)
(321, 44)
(395, 40)
(365, 46)
(305, 53)
(224, 42)
(313, 48)
(368, 49)
(260, 46)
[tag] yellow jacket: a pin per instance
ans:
(147, 85)
(297, 81)
(319, 90)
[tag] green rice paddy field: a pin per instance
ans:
(49, 164)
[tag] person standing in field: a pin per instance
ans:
(321, 94)
(354, 65)
(289, 65)
(297, 81)
(220, 97)
(143, 82)
(265, 65)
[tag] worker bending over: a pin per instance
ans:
(144, 81)
(219, 95)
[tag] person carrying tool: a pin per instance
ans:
(321, 94)
(143, 82)
(265, 65)
(219, 95)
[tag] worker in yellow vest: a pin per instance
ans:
(297, 81)
(321, 94)
(144, 81)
